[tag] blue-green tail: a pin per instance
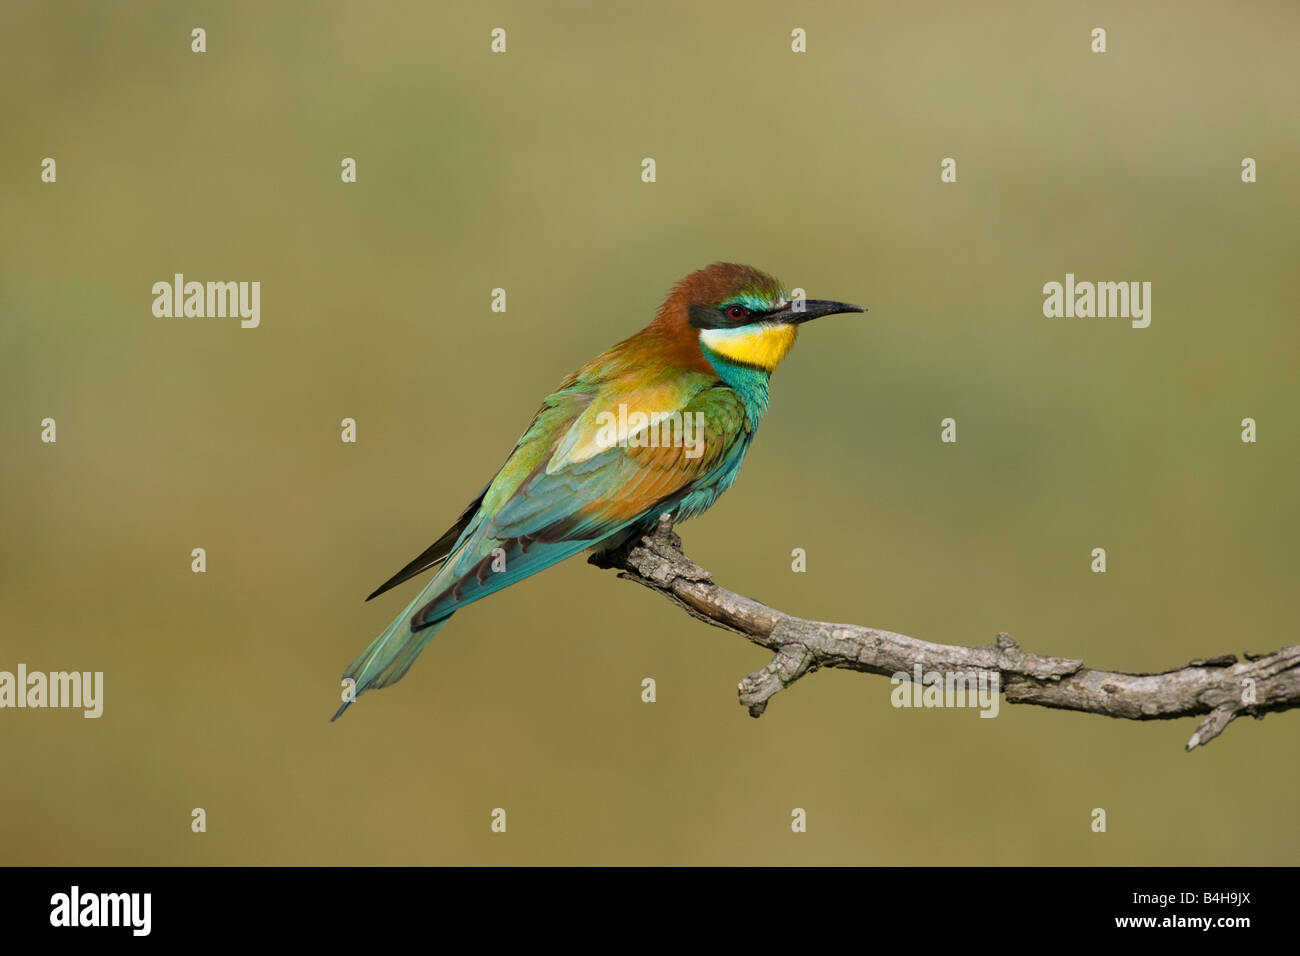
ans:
(390, 655)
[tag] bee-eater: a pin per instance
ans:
(595, 466)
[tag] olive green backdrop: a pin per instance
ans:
(523, 171)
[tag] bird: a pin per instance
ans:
(659, 423)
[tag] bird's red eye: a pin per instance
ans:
(737, 312)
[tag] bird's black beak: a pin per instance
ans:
(807, 309)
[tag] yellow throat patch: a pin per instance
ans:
(763, 346)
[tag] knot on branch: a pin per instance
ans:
(1011, 660)
(656, 557)
(1259, 684)
(792, 661)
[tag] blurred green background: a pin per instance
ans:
(523, 171)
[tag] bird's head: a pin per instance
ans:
(742, 316)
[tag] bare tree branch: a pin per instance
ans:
(1221, 688)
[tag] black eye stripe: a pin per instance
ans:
(705, 317)
(702, 317)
